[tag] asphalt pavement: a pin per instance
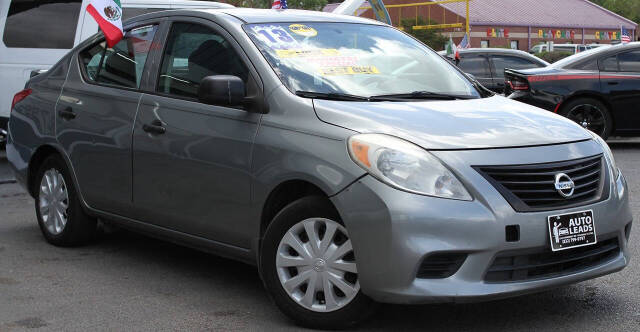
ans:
(134, 283)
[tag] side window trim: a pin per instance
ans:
(154, 78)
(100, 39)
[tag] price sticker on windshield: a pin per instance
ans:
(349, 70)
(275, 37)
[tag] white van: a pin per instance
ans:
(571, 48)
(36, 33)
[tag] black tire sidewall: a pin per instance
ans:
(79, 228)
(594, 102)
(360, 307)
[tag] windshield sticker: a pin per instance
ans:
(349, 70)
(303, 30)
(318, 52)
(274, 36)
(338, 61)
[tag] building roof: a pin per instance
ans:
(541, 13)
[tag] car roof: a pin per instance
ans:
(592, 53)
(175, 4)
(254, 15)
(496, 51)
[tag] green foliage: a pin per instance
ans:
(627, 8)
(554, 56)
(293, 4)
(431, 37)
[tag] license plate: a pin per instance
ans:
(572, 230)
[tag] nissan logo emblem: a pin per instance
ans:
(564, 185)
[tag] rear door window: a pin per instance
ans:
(476, 65)
(501, 62)
(123, 64)
(28, 20)
(629, 61)
(609, 63)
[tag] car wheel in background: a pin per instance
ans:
(309, 269)
(61, 218)
(591, 114)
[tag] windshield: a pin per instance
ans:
(355, 59)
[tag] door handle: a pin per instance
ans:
(613, 83)
(67, 113)
(154, 128)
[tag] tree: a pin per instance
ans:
(431, 37)
(627, 8)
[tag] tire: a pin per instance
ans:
(78, 228)
(591, 114)
(347, 310)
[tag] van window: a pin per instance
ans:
(27, 20)
(123, 64)
(128, 12)
(571, 49)
(192, 53)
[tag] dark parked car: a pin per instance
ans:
(488, 64)
(599, 89)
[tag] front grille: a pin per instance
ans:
(544, 263)
(441, 265)
(531, 187)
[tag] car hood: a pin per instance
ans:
(492, 122)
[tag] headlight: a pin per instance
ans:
(405, 166)
(608, 155)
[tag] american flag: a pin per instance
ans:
(464, 43)
(625, 36)
(279, 4)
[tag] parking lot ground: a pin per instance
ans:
(131, 282)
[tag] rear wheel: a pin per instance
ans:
(309, 268)
(58, 209)
(590, 114)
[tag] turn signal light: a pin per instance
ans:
(20, 96)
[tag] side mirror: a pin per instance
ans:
(222, 90)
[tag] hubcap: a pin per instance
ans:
(316, 265)
(590, 117)
(53, 201)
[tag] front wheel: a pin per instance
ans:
(590, 114)
(309, 268)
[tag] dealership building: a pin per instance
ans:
(517, 24)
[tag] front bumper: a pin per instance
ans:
(393, 231)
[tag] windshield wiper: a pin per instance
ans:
(331, 96)
(419, 95)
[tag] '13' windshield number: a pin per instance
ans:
(276, 37)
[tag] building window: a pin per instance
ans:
(484, 43)
(514, 45)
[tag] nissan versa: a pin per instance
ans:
(349, 162)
